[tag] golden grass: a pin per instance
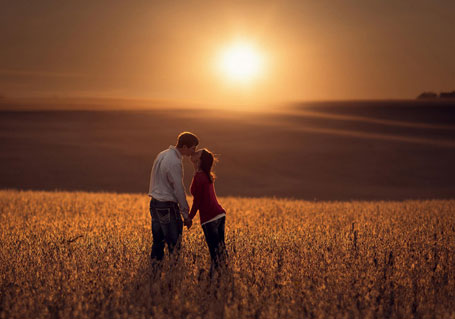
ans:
(85, 255)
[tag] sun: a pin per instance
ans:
(240, 62)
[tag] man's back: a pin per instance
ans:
(168, 203)
(161, 187)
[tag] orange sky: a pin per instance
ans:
(316, 50)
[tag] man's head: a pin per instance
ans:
(186, 143)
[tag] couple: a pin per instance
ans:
(168, 200)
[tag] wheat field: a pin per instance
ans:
(86, 255)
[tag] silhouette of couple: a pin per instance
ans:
(168, 202)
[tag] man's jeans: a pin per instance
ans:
(214, 236)
(167, 227)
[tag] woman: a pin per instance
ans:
(212, 215)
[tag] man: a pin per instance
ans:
(168, 198)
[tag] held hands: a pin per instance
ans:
(187, 222)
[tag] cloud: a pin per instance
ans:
(37, 73)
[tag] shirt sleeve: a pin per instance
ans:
(175, 176)
(196, 189)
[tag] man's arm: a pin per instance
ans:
(175, 176)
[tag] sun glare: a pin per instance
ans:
(240, 62)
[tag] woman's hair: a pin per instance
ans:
(206, 163)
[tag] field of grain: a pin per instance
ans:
(86, 255)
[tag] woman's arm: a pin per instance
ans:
(196, 190)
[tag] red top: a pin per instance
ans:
(204, 198)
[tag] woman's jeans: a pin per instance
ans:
(214, 236)
(167, 227)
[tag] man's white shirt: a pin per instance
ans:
(166, 179)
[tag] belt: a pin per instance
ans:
(155, 201)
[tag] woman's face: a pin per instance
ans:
(196, 158)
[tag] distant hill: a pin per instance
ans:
(447, 95)
(432, 95)
(378, 150)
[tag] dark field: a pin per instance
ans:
(324, 151)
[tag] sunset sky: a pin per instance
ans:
(308, 50)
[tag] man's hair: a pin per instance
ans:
(187, 139)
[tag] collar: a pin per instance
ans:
(172, 147)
